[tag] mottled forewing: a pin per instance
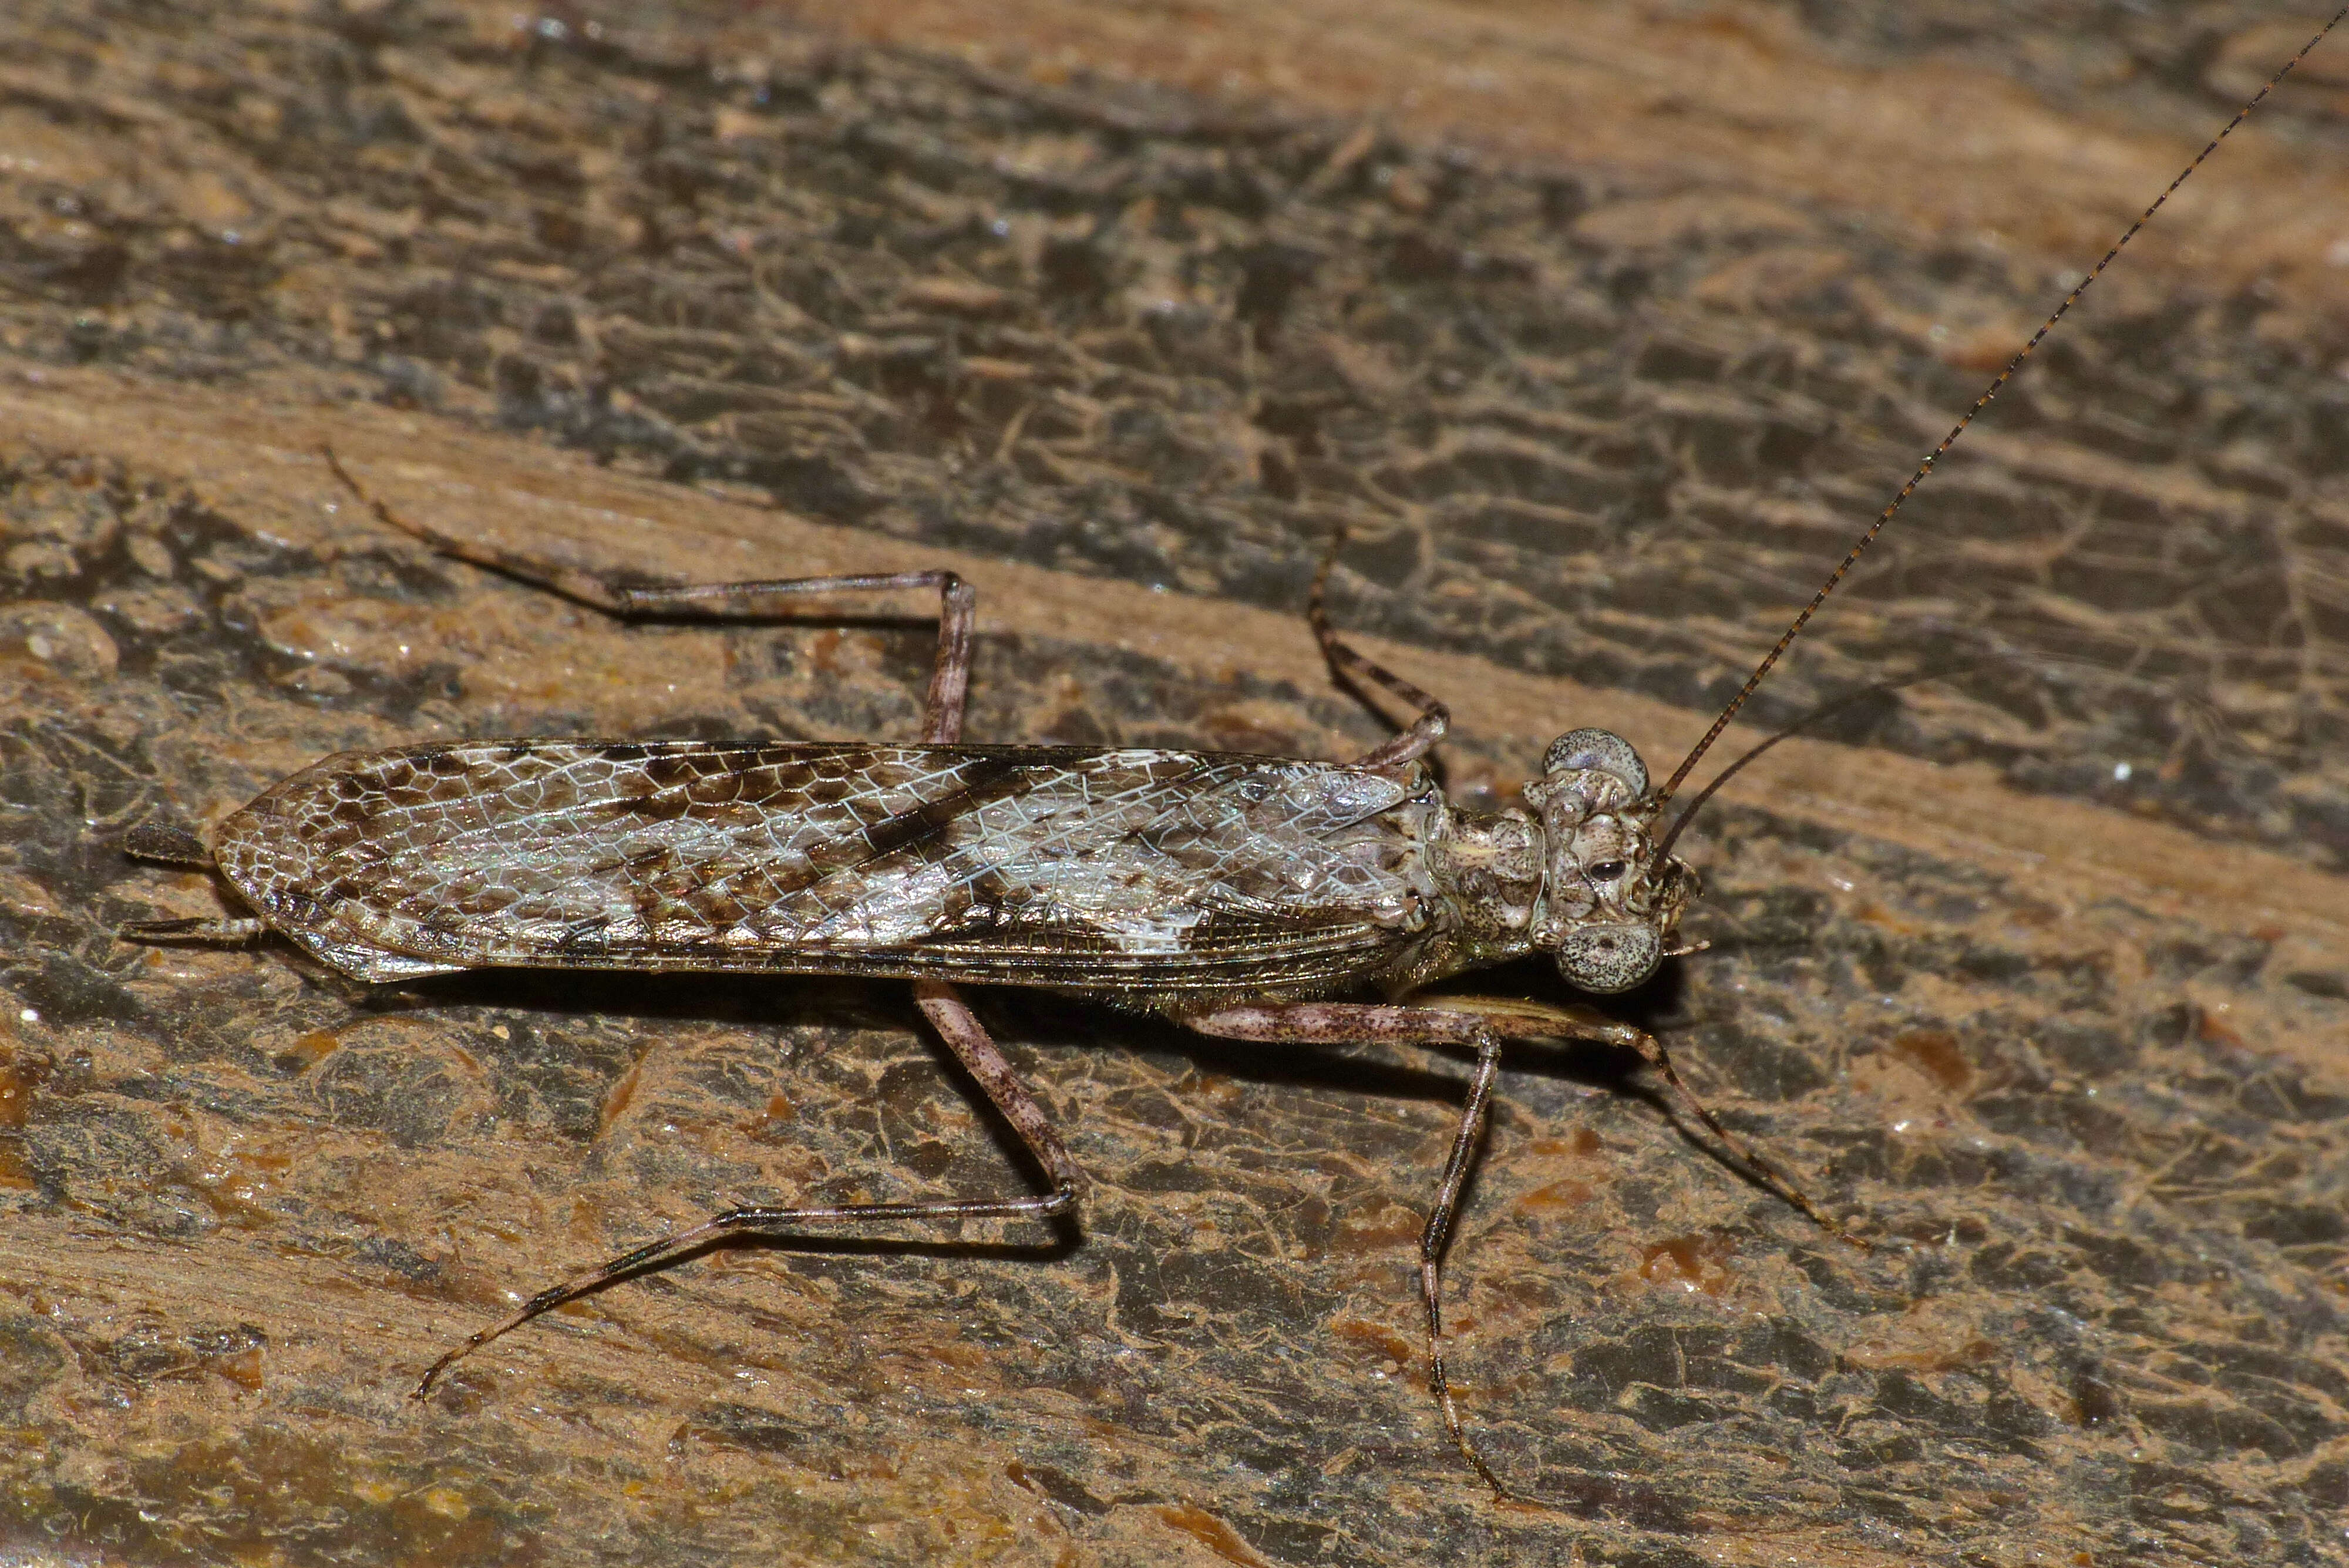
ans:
(1102, 870)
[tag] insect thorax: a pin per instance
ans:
(1572, 872)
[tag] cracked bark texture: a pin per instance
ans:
(1601, 331)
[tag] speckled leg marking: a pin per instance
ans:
(1349, 1024)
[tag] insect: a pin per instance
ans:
(1248, 898)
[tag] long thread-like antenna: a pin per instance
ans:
(1753, 681)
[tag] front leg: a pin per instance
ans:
(1541, 1020)
(1480, 1022)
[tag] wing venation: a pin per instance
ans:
(1081, 869)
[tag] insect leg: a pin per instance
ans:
(1540, 1021)
(968, 1039)
(1340, 1023)
(1352, 669)
(958, 601)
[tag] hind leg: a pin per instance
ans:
(969, 1040)
(957, 600)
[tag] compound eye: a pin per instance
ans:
(1608, 958)
(1609, 871)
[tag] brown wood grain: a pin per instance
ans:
(1600, 328)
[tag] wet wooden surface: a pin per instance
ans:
(2038, 975)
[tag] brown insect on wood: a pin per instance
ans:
(1243, 897)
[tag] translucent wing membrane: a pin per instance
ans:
(1101, 871)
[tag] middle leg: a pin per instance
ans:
(1355, 1023)
(1355, 669)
